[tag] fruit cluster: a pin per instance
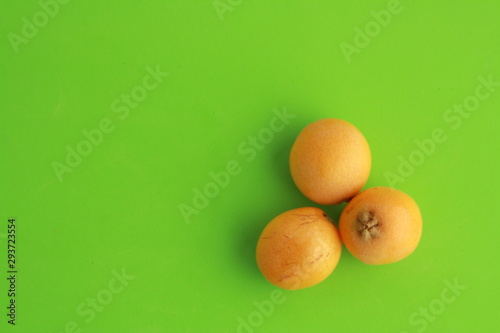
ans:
(330, 162)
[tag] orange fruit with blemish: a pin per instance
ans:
(381, 225)
(330, 161)
(298, 248)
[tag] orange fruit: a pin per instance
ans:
(298, 248)
(330, 161)
(381, 225)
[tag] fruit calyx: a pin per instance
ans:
(367, 225)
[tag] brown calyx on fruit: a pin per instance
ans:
(367, 225)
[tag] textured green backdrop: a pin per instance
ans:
(144, 147)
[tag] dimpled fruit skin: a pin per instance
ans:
(399, 226)
(298, 248)
(330, 161)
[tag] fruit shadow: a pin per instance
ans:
(249, 235)
(279, 151)
(333, 211)
(252, 224)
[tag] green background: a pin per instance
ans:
(118, 209)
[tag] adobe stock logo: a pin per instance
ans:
(30, 28)
(92, 306)
(122, 106)
(425, 315)
(223, 6)
(454, 117)
(263, 310)
(248, 150)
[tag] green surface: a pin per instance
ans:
(84, 220)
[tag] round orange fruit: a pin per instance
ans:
(381, 225)
(298, 248)
(330, 161)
